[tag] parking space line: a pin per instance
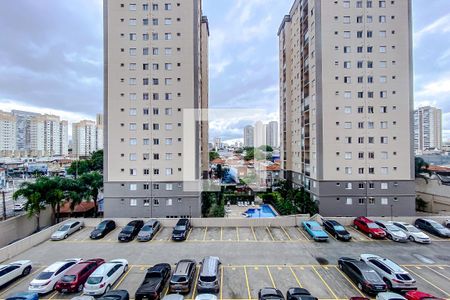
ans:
(295, 276)
(189, 233)
(221, 282)
(123, 277)
(197, 271)
(427, 281)
(246, 282)
(156, 234)
(237, 233)
(21, 280)
(270, 233)
(324, 282)
(253, 231)
(221, 233)
(446, 277)
(53, 295)
(271, 278)
(303, 234)
(349, 281)
(286, 233)
(204, 234)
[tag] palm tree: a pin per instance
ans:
(93, 183)
(34, 204)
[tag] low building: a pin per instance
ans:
(2, 178)
(435, 191)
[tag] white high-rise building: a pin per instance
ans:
(272, 134)
(84, 138)
(156, 83)
(249, 136)
(346, 105)
(7, 134)
(48, 136)
(23, 134)
(427, 129)
(260, 134)
(99, 134)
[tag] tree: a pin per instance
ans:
(213, 155)
(94, 163)
(249, 154)
(421, 204)
(93, 183)
(34, 204)
(265, 148)
(421, 168)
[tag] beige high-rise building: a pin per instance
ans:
(84, 138)
(249, 136)
(156, 83)
(48, 136)
(346, 105)
(7, 134)
(427, 129)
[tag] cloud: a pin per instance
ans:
(441, 25)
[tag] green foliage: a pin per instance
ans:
(421, 204)
(33, 193)
(239, 151)
(249, 154)
(94, 163)
(92, 183)
(265, 148)
(421, 168)
(213, 155)
(213, 205)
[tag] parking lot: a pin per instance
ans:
(252, 258)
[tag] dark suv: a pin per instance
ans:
(183, 276)
(130, 231)
(364, 276)
(181, 230)
(432, 227)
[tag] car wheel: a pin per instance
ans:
(388, 283)
(80, 288)
(369, 235)
(26, 271)
(125, 269)
(360, 286)
(411, 238)
(107, 289)
(66, 236)
(389, 236)
(340, 266)
(335, 236)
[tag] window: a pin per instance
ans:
(132, 22)
(145, 7)
(347, 64)
(167, 36)
(169, 187)
(347, 95)
(168, 141)
(382, 19)
(384, 201)
(346, 19)
(369, 19)
(156, 202)
(348, 125)
(146, 202)
(369, 34)
(360, 109)
(359, 4)
(359, 19)
(155, 36)
(168, 111)
(384, 155)
(347, 34)
(382, 49)
(133, 141)
(167, 21)
(156, 156)
(383, 64)
(156, 186)
(133, 172)
(348, 185)
(145, 37)
(132, 96)
(155, 51)
(384, 170)
(168, 96)
(348, 170)
(155, 171)
(145, 22)
(384, 185)
(382, 4)
(133, 112)
(168, 6)
(132, 156)
(133, 37)
(168, 126)
(133, 202)
(361, 201)
(168, 51)
(371, 201)
(169, 171)
(168, 156)
(348, 109)
(346, 3)
(347, 49)
(168, 66)
(348, 139)
(348, 155)
(133, 187)
(132, 6)
(169, 202)
(383, 94)
(349, 201)
(145, 156)
(383, 125)
(383, 33)
(132, 51)
(168, 81)
(155, 7)
(384, 140)
(359, 34)
(155, 22)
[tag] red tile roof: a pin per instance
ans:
(82, 207)
(434, 168)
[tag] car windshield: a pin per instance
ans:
(128, 229)
(44, 275)
(372, 276)
(391, 227)
(437, 225)
(207, 278)
(147, 228)
(101, 226)
(68, 278)
(64, 228)
(339, 228)
(372, 225)
(94, 280)
(411, 228)
(180, 228)
(178, 278)
(316, 228)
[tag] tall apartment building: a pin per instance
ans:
(249, 136)
(272, 134)
(427, 128)
(84, 138)
(48, 136)
(156, 83)
(260, 134)
(7, 133)
(64, 138)
(23, 124)
(346, 105)
(99, 131)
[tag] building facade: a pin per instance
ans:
(346, 105)
(249, 136)
(155, 88)
(84, 138)
(427, 129)
(49, 136)
(272, 134)
(260, 134)
(23, 124)
(8, 133)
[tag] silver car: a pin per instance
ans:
(149, 230)
(389, 296)
(414, 234)
(67, 229)
(393, 232)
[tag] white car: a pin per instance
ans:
(104, 277)
(393, 275)
(46, 280)
(392, 232)
(174, 297)
(14, 270)
(414, 234)
(66, 229)
(389, 296)
(19, 206)
(206, 297)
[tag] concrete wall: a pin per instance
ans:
(435, 194)
(347, 221)
(21, 226)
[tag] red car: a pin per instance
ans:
(417, 295)
(74, 280)
(369, 227)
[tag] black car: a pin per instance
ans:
(154, 282)
(270, 293)
(337, 230)
(115, 295)
(102, 229)
(432, 227)
(130, 231)
(364, 276)
(181, 230)
(299, 294)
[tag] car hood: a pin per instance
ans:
(151, 286)
(398, 233)
(319, 233)
(96, 232)
(144, 233)
(444, 231)
(420, 235)
(59, 234)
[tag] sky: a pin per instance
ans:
(51, 59)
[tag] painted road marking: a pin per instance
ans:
(325, 283)
(254, 235)
(349, 281)
(286, 233)
(271, 278)
(21, 280)
(246, 282)
(123, 277)
(427, 281)
(270, 233)
(204, 235)
(296, 278)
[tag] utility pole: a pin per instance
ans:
(4, 205)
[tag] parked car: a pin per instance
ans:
(414, 234)
(337, 230)
(19, 206)
(315, 231)
(359, 298)
(104, 277)
(149, 230)
(364, 276)
(75, 278)
(369, 227)
(418, 295)
(154, 281)
(102, 229)
(46, 280)
(392, 232)
(208, 280)
(115, 295)
(389, 296)
(182, 276)
(181, 230)
(173, 297)
(66, 229)
(129, 232)
(299, 294)
(205, 297)
(392, 274)
(14, 270)
(432, 227)
(270, 293)
(23, 296)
